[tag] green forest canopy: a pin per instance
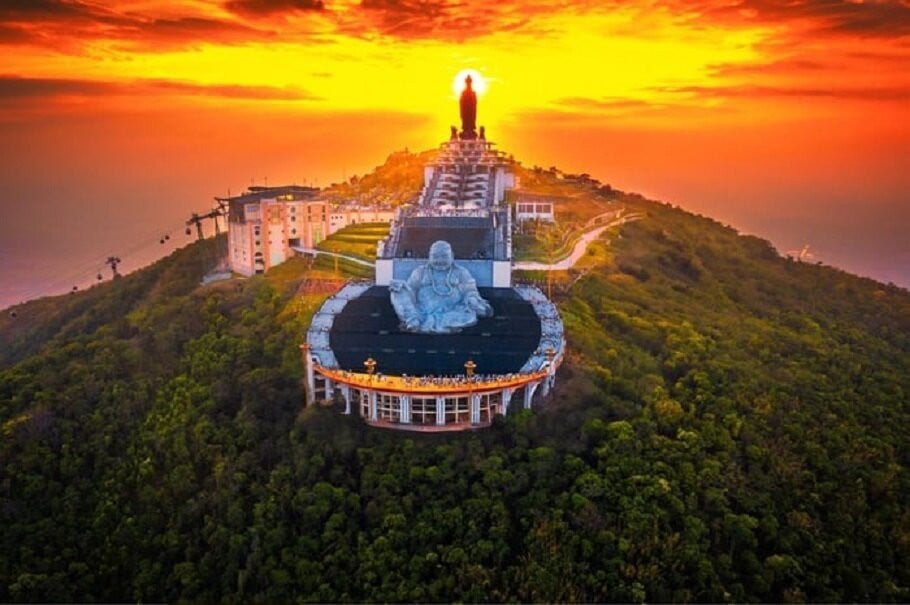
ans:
(729, 425)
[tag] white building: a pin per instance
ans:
(532, 206)
(265, 223)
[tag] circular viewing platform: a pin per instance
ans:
(356, 350)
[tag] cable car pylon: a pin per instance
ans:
(196, 219)
(113, 261)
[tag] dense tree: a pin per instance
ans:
(729, 425)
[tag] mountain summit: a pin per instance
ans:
(729, 425)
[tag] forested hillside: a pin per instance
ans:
(729, 425)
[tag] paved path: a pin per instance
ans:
(580, 247)
(315, 251)
(577, 252)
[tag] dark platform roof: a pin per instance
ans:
(368, 327)
(470, 237)
(257, 193)
(455, 222)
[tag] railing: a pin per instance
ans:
(317, 251)
(401, 384)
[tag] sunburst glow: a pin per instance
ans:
(478, 82)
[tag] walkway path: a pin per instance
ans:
(315, 251)
(577, 252)
(580, 247)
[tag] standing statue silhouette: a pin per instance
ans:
(468, 104)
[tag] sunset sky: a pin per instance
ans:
(790, 120)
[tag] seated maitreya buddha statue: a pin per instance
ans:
(439, 297)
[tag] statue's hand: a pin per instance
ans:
(480, 306)
(396, 285)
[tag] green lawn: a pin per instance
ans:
(356, 240)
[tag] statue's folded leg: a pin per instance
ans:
(458, 318)
(403, 303)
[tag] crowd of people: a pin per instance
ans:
(457, 380)
(552, 336)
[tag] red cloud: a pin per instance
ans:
(48, 89)
(271, 7)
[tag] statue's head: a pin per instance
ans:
(441, 256)
(467, 81)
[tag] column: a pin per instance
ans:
(529, 393)
(329, 389)
(440, 410)
(506, 398)
(346, 393)
(475, 408)
(508, 232)
(405, 402)
(308, 375)
(374, 407)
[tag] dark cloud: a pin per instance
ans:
(448, 20)
(271, 7)
(48, 89)
(50, 21)
(189, 31)
(65, 25)
(67, 15)
(411, 18)
(54, 23)
(43, 8)
(427, 7)
(877, 18)
(457, 20)
(13, 34)
(882, 57)
(14, 87)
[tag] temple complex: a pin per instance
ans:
(440, 339)
(462, 202)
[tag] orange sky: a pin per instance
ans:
(785, 118)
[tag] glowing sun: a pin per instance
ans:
(478, 82)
